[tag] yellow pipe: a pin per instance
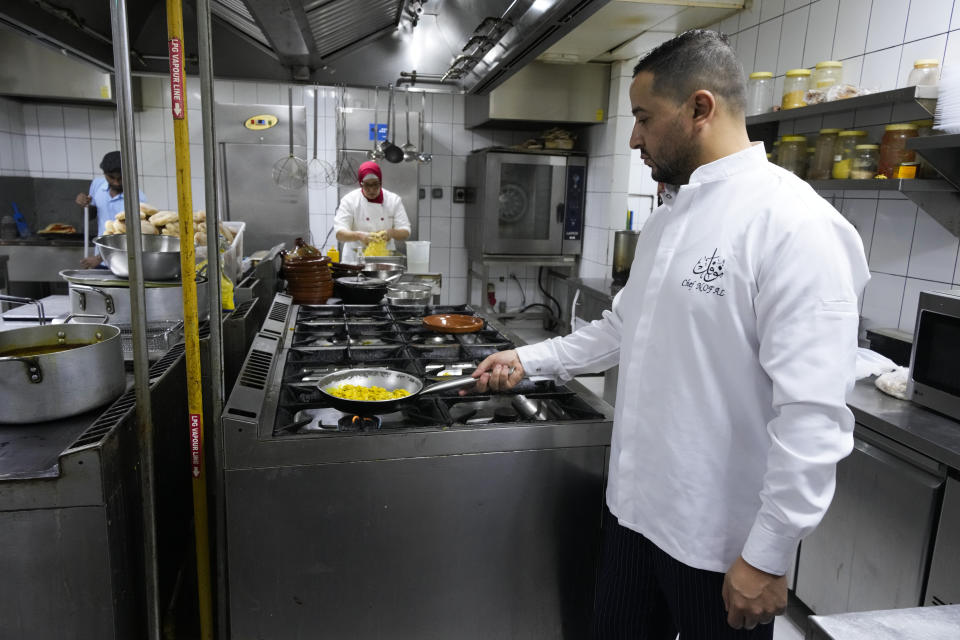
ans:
(181, 139)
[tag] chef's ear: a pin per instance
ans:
(704, 105)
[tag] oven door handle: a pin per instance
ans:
(561, 209)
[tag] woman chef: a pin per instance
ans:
(367, 212)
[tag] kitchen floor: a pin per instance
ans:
(790, 626)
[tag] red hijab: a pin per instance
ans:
(367, 168)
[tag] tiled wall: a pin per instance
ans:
(877, 41)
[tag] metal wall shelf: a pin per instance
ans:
(913, 102)
(943, 152)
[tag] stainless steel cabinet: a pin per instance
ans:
(871, 550)
(944, 584)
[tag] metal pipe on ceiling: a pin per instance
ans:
(138, 316)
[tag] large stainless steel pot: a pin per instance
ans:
(39, 383)
(160, 258)
(163, 303)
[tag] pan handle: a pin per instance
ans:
(452, 383)
(82, 291)
(18, 300)
(34, 372)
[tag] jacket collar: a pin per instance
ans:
(726, 166)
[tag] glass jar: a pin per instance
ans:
(822, 162)
(925, 72)
(795, 86)
(760, 93)
(864, 164)
(893, 148)
(793, 155)
(827, 74)
(843, 152)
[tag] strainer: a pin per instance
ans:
(290, 173)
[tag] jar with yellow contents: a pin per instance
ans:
(795, 86)
(843, 152)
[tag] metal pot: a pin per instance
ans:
(359, 290)
(163, 303)
(39, 383)
(624, 247)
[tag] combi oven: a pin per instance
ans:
(525, 202)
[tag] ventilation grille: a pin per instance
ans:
(118, 411)
(338, 24)
(256, 369)
(278, 312)
(243, 308)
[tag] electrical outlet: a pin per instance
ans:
(422, 194)
(501, 278)
(437, 193)
(459, 194)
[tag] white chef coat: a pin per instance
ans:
(739, 330)
(356, 213)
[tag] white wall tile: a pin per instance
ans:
(852, 70)
(441, 135)
(768, 43)
(933, 255)
(926, 48)
(151, 90)
(441, 173)
(952, 53)
(155, 190)
(882, 300)
(196, 161)
(30, 120)
(15, 111)
(821, 28)
(270, 93)
(458, 170)
(245, 93)
(443, 108)
(892, 236)
(34, 159)
(103, 123)
(771, 9)
(79, 156)
(880, 69)
(750, 15)
(50, 120)
(18, 146)
(150, 124)
(76, 122)
(439, 259)
(792, 40)
(888, 23)
(53, 153)
(853, 21)
(862, 214)
(911, 297)
(457, 239)
(955, 19)
(730, 24)
(747, 50)
(153, 161)
(795, 4)
(927, 18)
(440, 232)
(6, 153)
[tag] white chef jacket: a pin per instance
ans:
(739, 331)
(356, 213)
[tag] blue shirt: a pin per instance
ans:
(107, 206)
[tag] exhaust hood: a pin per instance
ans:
(472, 45)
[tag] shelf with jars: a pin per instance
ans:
(940, 198)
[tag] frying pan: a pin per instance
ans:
(388, 379)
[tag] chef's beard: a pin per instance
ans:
(116, 188)
(676, 160)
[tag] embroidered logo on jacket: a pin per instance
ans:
(707, 270)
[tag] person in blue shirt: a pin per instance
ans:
(106, 194)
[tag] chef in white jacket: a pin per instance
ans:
(367, 211)
(736, 337)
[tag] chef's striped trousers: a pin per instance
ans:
(644, 594)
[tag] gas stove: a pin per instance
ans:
(329, 338)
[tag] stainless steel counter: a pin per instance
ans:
(926, 623)
(925, 431)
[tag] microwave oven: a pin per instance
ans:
(935, 359)
(526, 203)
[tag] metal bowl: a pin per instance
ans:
(401, 298)
(161, 256)
(383, 270)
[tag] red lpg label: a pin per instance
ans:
(196, 448)
(176, 78)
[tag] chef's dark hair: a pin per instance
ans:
(111, 162)
(694, 60)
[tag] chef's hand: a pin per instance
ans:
(90, 262)
(752, 596)
(498, 372)
(83, 199)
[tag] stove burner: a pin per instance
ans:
(358, 423)
(432, 339)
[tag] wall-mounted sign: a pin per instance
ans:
(261, 122)
(381, 132)
(176, 78)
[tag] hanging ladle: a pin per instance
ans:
(423, 156)
(391, 152)
(377, 152)
(409, 149)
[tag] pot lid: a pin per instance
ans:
(362, 282)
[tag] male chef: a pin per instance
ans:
(106, 194)
(736, 337)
